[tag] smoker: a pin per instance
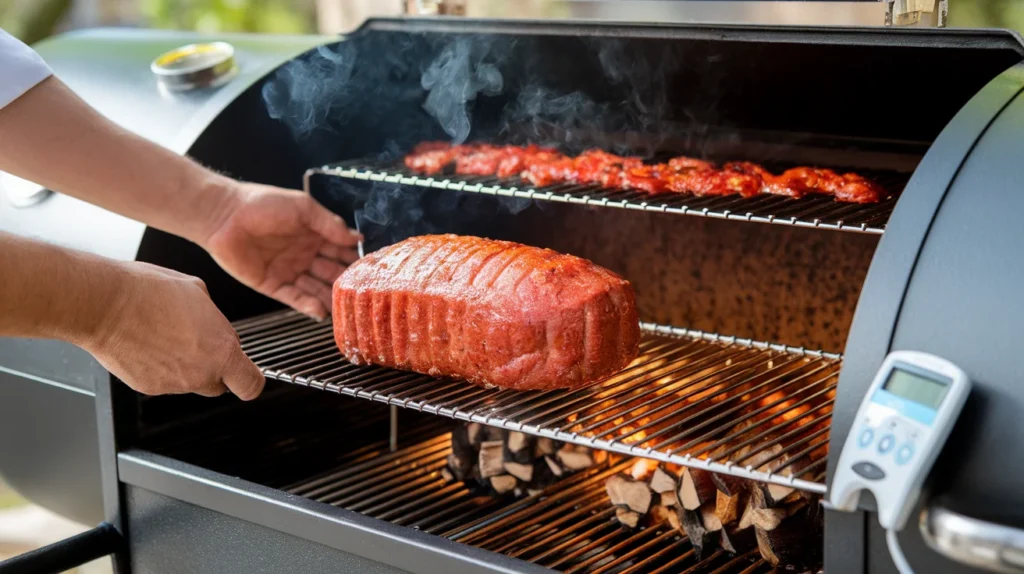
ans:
(338, 467)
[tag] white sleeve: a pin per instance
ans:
(21, 68)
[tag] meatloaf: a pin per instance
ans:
(491, 312)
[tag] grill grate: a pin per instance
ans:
(690, 398)
(567, 527)
(812, 211)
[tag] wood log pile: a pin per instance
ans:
(721, 512)
(501, 462)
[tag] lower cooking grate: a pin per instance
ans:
(690, 398)
(568, 527)
(812, 211)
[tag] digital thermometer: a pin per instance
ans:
(901, 427)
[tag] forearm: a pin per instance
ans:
(54, 293)
(53, 138)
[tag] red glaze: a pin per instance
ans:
(491, 312)
(545, 166)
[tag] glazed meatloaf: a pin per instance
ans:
(491, 312)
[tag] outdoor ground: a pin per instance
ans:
(24, 526)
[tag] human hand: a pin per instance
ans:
(163, 335)
(283, 244)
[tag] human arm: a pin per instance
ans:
(155, 329)
(279, 242)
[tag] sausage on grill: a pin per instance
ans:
(491, 312)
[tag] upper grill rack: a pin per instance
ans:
(812, 211)
(567, 527)
(690, 398)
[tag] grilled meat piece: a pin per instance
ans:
(491, 312)
(546, 166)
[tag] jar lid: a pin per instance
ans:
(195, 66)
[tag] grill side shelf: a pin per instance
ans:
(690, 398)
(812, 211)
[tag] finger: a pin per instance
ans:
(325, 269)
(300, 301)
(330, 226)
(214, 389)
(316, 288)
(243, 377)
(347, 255)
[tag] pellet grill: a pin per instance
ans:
(803, 295)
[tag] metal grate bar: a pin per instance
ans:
(569, 526)
(690, 398)
(812, 211)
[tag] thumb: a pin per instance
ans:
(243, 378)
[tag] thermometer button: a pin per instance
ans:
(904, 453)
(866, 436)
(869, 470)
(886, 443)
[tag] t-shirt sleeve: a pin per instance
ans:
(21, 68)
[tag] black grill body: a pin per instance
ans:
(777, 95)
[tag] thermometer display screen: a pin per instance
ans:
(927, 391)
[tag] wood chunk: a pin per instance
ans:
(556, 469)
(710, 520)
(627, 517)
(575, 460)
(747, 516)
(770, 518)
(491, 461)
(517, 441)
(662, 481)
(503, 483)
(474, 433)
(447, 475)
(624, 491)
(523, 472)
(693, 526)
(696, 488)
(668, 499)
(736, 540)
(795, 543)
(730, 485)
(727, 508)
(533, 491)
(544, 446)
(674, 521)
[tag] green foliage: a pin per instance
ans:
(266, 16)
(987, 14)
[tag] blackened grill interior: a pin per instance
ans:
(337, 452)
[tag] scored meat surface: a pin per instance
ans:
(491, 312)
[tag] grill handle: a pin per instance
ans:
(68, 553)
(974, 542)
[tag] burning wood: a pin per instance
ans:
(743, 515)
(626, 491)
(502, 462)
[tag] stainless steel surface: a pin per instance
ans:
(813, 211)
(567, 527)
(690, 398)
(974, 542)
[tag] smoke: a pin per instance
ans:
(307, 93)
(378, 93)
(454, 79)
